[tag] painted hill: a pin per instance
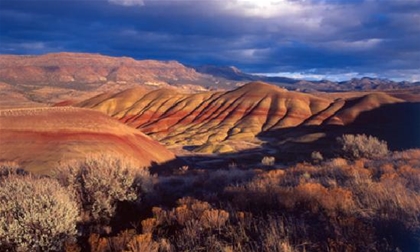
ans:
(40, 138)
(208, 121)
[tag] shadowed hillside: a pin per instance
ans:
(398, 124)
(41, 138)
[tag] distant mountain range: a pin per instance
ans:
(365, 83)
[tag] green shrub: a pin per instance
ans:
(362, 146)
(35, 214)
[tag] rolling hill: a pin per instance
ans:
(41, 138)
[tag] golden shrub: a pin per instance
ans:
(181, 214)
(148, 225)
(214, 218)
(142, 243)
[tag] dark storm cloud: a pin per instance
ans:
(371, 37)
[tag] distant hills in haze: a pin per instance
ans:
(233, 73)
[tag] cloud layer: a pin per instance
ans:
(304, 37)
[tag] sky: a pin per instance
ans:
(309, 39)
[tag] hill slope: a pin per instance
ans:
(41, 138)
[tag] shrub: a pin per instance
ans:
(143, 242)
(100, 182)
(362, 146)
(196, 223)
(316, 156)
(35, 214)
(273, 232)
(268, 160)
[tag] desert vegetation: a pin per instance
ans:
(105, 203)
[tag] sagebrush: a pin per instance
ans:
(100, 182)
(36, 214)
(363, 146)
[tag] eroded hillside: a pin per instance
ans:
(210, 121)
